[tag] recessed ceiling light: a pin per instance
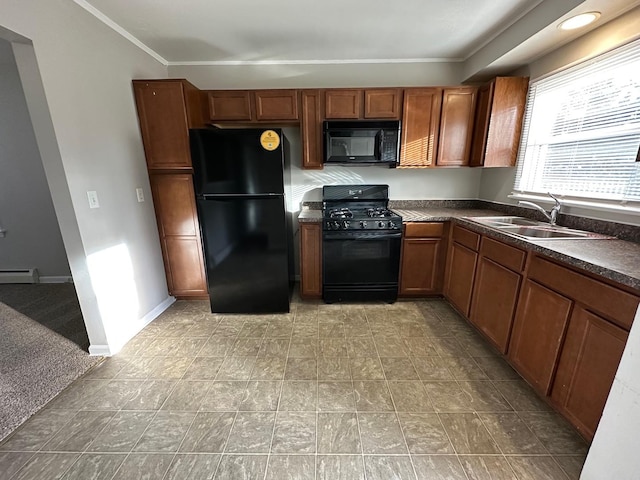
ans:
(579, 21)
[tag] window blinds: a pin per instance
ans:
(581, 130)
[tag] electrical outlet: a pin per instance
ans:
(3, 233)
(93, 199)
(140, 194)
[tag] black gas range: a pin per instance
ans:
(362, 218)
(361, 242)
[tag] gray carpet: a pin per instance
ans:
(54, 305)
(35, 365)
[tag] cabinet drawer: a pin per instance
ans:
(611, 302)
(466, 237)
(511, 257)
(423, 229)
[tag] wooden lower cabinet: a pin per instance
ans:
(461, 268)
(175, 206)
(588, 364)
(538, 333)
(495, 290)
(462, 259)
(422, 263)
(310, 260)
(495, 296)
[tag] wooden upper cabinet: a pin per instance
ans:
(343, 103)
(311, 129)
(164, 124)
(420, 126)
(230, 105)
(456, 126)
(587, 367)
(276, 104)
(382, 103)
(498, 119)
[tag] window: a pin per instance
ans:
(582, 132)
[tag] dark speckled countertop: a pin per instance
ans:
(616, 260)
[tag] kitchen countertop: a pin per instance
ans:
(616, 260)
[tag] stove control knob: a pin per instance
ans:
(363, 224)
(336, 225)
(381, 224)
(392, 225)
(345, 225)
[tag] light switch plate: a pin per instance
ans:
(93, 199)
(140, 194)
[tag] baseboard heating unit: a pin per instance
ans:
(19, 275)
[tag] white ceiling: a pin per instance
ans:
(331, 31)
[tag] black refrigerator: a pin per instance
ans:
(240, 179)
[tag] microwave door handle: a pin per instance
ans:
(380, 144)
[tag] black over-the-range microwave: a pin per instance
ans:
(362, 142)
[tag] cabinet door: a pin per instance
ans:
(481, 125)
(538, 331)
(588, 363)
(174, 202)
(163, 124)
(420, 124)
(460, 275)
(311, 129)
(230, 105)
(505, 121)
(186, 277)
(420, 266)
(495, 294)
(276, 104)
(456, 126)
(382, 103)
(499, 122)
(310, 260)
(343, 103)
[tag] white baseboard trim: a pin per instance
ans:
(56, 279)
(99, 351)
(109, 350)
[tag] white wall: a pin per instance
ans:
(26, 209)
(81, 104)
(404, 183)
(497, 183)
(211, 77)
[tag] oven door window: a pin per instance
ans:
(353, 144)
(361, 259)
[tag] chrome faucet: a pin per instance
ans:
(552, 216)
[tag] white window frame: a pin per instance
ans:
(630, 206)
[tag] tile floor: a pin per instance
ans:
(327, 392)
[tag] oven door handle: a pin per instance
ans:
(360, 236)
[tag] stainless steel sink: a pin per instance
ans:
(534, 230)
(506, 220)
